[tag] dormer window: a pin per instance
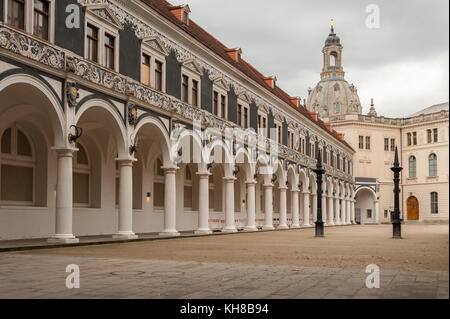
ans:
(102, 36)
(153, 66)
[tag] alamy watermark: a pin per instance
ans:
(373, 17)
(73, 279)
(373, 280)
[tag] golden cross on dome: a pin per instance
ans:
(332, 24)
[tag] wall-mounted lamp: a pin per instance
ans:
(149, 196)
(236, 171)
(78, 133)
(209, 166)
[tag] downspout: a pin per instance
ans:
(401, 174)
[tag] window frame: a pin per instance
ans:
(361, 142)
(434, 203)
(262, 118)
(412, 167)
(103, 28)
(14, 159)
(245, 107)
(432, 165)
(155, 56)
(368, 143)
(386, 144)
(222, 95)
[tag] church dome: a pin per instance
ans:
(332, 39)
(334, 97)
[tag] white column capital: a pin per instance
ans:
(229, 179)
(283, 189)
(170, 169)
(251, 183)
(64, 151)
(268, 185)
(204, 175)
(295, 190)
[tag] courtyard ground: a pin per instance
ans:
(280, 264)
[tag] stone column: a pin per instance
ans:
(344, 212)
(268, 207)
(126, 201)
(230, 226)
(283, 208)
(251, 207)
(314, 209)
(64, 199)
(294, 209)
(337, 211)
(330, 211)
(377, 211)
(306, 209)
(170, 205)
(324, 210)
(203, 204)
(349, 212)
(353, 212)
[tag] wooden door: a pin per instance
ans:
(413, 208)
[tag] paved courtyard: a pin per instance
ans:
(284, 264)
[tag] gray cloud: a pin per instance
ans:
(403, 64)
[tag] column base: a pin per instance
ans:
(129, 235)
(306, 225)
(250, 228)
(229, 230)
(297, 226)
(203, 232)
(283, 227)
(63, 239)
(169, 233)
(268, 228)
(330, 223)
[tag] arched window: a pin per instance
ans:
(158, 185)
(432, 162)
(412, 167)
(17, 168)
(333, 58)
(81, 178)
(338, 108)
(188, 189)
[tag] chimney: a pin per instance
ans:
(314, 115)
(328, 127)
(340, 136)
(235, 54)
(296, 100)
(271, 81)
(181, 12)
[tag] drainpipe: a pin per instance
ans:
(401, 174)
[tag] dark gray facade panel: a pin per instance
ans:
(331, 158)
(232, 106)
(173, 75)
(1, 11)
(308, 145)
(70, 39)
(207, 92)
(254, 116)
(285, 131)
(130, 53)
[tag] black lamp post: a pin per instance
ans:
(319, 172)
(396, 223)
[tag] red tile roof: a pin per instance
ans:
(162, 7)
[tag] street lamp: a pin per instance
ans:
(319, 172)
(396, 223)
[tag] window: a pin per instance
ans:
(338, 108)
(432, 162)
(386, 144)
(414, 138)
(361, 142)
(262, 124)
(223, 107)
(109, 51)
(409, 139)
(185, 89)
(435, 135)
(367, 142)
(81, 177)
(412, 167)
(92, 43)
(41, 12)
(159, 75)
(278, 132)
(429, 136)
(312, 150)
(188, 199)
(243, 114)
(386, 214)
(16, 13)
(158, 185)
(194, 93)
(369, 213)
(216, 103)
(392, 144)
(145, 69)
(290, 139)
(434, 203)
(17, 168)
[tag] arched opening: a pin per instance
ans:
(365, 206)
(333, 59)
(432, 163)
(412, 208)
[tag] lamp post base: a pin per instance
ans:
(319, 229)
(397, 231)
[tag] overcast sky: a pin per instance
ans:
(403, 64)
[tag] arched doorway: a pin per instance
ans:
(413, 208)
(366, 210)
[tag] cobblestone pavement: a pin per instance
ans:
(24, 275)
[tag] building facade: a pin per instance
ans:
(421, 138)
(125, 117)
